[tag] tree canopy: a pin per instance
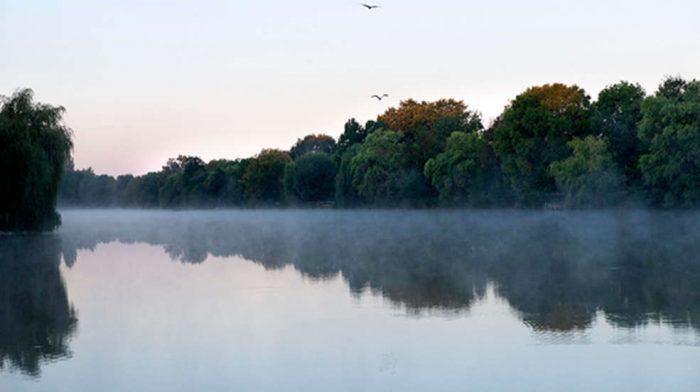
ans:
(264, 176)
(466, 173)
(589, 177)
(534, 131)
(313, 143)
(35, 146)
(615, 116)
(311, 178)
(551, 146)
(670, 126)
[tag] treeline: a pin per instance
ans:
(551, 147)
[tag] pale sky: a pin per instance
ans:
(145, 80)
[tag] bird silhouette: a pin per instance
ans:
(380, 97)
(369, 6)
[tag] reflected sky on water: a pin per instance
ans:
(353, 300)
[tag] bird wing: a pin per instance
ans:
(376, 96)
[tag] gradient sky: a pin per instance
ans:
(146, 80)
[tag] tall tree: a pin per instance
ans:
(35, 147)
(311, 178)
(264, 176)
(379, 173)
(466, 173)
(533, 132)
(615, 116)
(345, 193)
(671, 128)
(184, 183)
(313, 143)
(355, 133)
(589, 177)
(427, 125)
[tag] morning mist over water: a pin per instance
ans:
(348, 196)
(377, 299)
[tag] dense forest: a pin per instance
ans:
(551, 147)
(34, 148)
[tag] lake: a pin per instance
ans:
(321, 300)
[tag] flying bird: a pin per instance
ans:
(380, 97)
(369, 6)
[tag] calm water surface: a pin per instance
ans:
(330, 300)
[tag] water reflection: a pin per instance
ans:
(36, 318)
(557, 270)
(560, 272)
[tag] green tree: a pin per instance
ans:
(184, 184)
(671, 128)
(35, 146)
(615, 115)
(427, 125)
(144, 190)
(466, 173)
(345, 194)
(533, 132)
(223, 185)
(264, 177)
(311, 178)
(672, 87)
(313, 143)
(589, 177)
(353, 133)
(379, 172)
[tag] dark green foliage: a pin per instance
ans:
(466, 173)
(427, 125)
(311, 178)
(34, 148)
(223, 185)
(379, 172)
(673, 87)
(313, 143)
(354, 133)
(589, 177)
(533, 132)
(143, 191)
(184, 184)
(83, 187)
(264, 177)
(615, 116)
(671, 128)
(429, 153)
(376, 167)
(183, 181)
(345, 194)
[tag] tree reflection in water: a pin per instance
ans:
(557, 269)
(36, 318)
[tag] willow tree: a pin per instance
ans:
(35, 146)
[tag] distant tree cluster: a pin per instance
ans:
(551, 146)
(34, 149)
